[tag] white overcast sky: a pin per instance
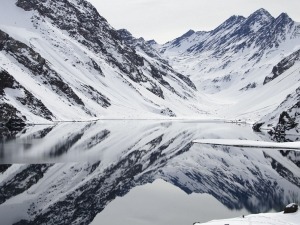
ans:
(164, 20)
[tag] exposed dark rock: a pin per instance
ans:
(96, 95)
(151, 42)
(22, 181)
(97, 67)
(294, 156)
(249, 86)
(283, 66)
(34, 105)
(288, 121)
(157, 72)
(285, 122)
(4, 167)
(6, 81)
(15, 123)
(187, 81)
(168, 112)
(11, 121)
(291, 208)
(155, 89)
(271, 35)
(98, 138)
(126, 36)
(256, 127)
(38, 66)
(283, 171)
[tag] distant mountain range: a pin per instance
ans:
(251, 65)
(62, 61)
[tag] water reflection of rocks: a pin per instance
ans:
(113, 157)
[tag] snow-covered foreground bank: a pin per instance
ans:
(260, 219)
(251, 144)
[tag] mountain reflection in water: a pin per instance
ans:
(72, 171)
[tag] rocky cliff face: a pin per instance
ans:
(283, 66)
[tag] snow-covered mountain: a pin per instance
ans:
(70, 192)
(60, 60)
(248, 65)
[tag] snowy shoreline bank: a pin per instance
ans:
(259, 219)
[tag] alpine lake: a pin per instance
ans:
(141, 172)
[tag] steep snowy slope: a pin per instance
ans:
(74, 193)
(77, 67)
(235, 63)
(285, 118)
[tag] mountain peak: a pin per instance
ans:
(230, 22)
(261, 14)
(177, 41)
(151, 42)
(189, 33)
(124, 34)
(284, 17)
(258, 19)
(262, 11)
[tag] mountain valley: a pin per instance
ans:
(80, 68)
(89, 112)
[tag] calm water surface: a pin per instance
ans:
(140, 172)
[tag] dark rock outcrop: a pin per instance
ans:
(27, 99)
(38, 66)
(256, 127)
(283, 66)
(22, 181)
(291, 208)
(11, 121)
